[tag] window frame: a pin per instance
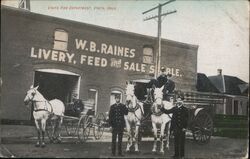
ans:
(59, 40)
(96, 97)
(151, 56)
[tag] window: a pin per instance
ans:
(112, 96)
(148, 55)
(235, 107)
(24, 4)
(93, 96)
(60, 40)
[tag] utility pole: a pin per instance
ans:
(158, 53)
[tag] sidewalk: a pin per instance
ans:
(23, 134)
(21, 131)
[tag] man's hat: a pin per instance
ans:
(151, 74)
(169, 75)
(163, 68)
(117, 96)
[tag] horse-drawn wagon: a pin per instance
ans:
(201, 108)
(79, 120)
(49, 116)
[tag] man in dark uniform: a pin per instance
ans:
(179, 125)
(168, 89)
(162, 78)
(169, 85)
(117, 122)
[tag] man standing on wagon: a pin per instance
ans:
(163, 80)
(117, 114)
(169, 85)
(179, 125)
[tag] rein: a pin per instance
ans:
(33, 102)
(45, 108)
(133, 109)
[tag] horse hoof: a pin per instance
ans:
(43, 145)
(37, 144)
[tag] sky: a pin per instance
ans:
(219, 28)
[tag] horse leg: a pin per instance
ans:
(38, 134)
(129, 144)
(155, 136)
(163, 125)
(59, 129)
(53, 130)
(136, 138)
(43, 123)
(168, 135)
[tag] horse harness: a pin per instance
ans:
(159, 113)
(45, 107)
(132, 110)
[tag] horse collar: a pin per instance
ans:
(134, 109)
(158, 114)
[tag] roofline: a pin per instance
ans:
(170, 42)
(229, 76)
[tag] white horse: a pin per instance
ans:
(134, 117)
(159, 118)
(43, 110)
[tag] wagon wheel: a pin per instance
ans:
(99, 126)
(50, 130)
(202, 128)
(83, 128)
(70, 126)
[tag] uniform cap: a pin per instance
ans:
(163, 68)
(169, 75)
(151, 74)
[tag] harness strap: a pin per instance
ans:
(158, 114)
(134, 109)
(37, 110)
(45, 107)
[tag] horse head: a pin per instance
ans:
(30, 95)
(158, 98)
(130, 94)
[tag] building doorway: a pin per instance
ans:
(58, 84)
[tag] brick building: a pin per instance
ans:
(69, 59)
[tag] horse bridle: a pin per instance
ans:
(158, 114)
(132, 110)
(33, 102)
